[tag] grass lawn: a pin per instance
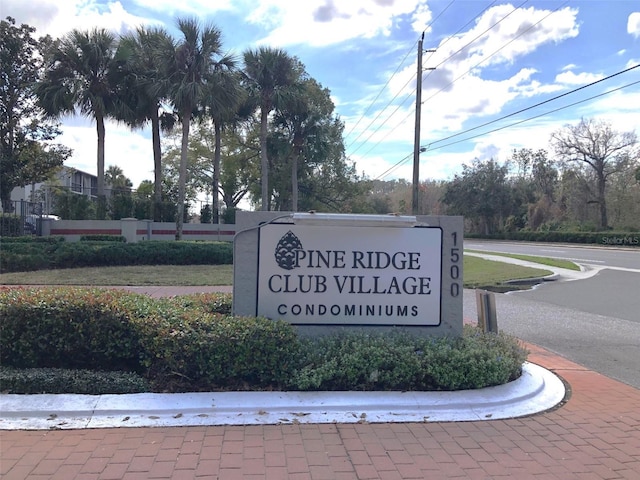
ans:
(140, 275)
(481, 273)
(477, 273)
(552, 262)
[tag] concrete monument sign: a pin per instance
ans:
(358, 271)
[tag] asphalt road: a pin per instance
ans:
(594, 321)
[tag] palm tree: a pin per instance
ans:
(268, 72)
(116, 178)
(223, 99)
(79, 76)
(306, 110)
(195, 60)
(143, 62)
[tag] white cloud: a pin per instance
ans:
(56, 18)
(466, 81)
(467, 84)
(478, 74)
(571, 66)
(421, 19)
(619, 108)
(327, 22)
(633, 24)
(498, 145)
(570, 78)
(173, 7)
(130, 150)
(38, 13)
(503, 35)
(632, 63)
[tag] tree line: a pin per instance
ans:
(265, 104)
(592, 183)
(258, 126)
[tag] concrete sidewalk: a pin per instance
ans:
(593, 434)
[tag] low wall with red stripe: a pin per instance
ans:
(136, 230)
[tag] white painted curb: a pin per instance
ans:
(535, 391)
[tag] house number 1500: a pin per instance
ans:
(455, 268)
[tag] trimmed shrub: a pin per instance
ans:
(56, 380)
(103, 238)
(178, 344)
(31, 240)
(475, 360)
(359, 361)
(401, 361)
(18, 262)
(56, 254)
(191, 343)
(190, 349)
(216, 303)
(67, 328)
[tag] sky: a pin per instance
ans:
(491, 71)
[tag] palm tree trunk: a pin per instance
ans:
(264, 161)
(294, 181)
(182, 180)
(298, 142)
(216, 173)
(102, 213)
(157, 166)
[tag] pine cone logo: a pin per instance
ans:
(286, 251)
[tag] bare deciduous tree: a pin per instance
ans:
(595, 145)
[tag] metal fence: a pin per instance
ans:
(28, 215)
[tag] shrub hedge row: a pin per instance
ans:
(630, 239)
(57, 380)
(171, 342)
(10, 225)
(192, 343)
(18, 256)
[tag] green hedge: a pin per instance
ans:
(18, 256)
(402, 361)
(103, 238)
(176, 343)
(197, 351)
(56, 380)
(191, 343)
(630, 239)
(32, 240)
(68, 328)
(10, 225)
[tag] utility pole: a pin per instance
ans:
(415, 198)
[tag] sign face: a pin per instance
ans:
(345, 275)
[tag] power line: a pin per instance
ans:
(379, 93)
(393, 167)
(537, 104)
(388, 81)
(462, 75)
(496, 51)
(540, 115)
(427, 147)
(480, 34)
(410, 95)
